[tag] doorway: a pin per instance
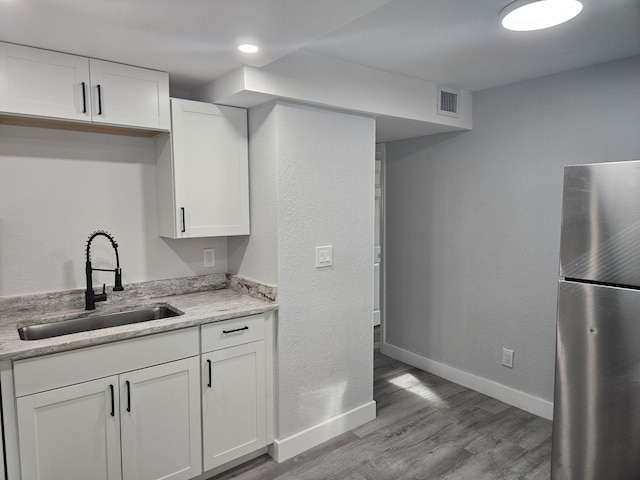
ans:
(378, 287)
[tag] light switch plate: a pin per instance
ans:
(324, 256)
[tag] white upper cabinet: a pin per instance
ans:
(203, 172)
(125, 95)
(46, 84)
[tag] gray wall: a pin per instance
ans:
(56, 187)
(312, 174)
(473, 220)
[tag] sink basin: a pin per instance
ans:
(96, 322)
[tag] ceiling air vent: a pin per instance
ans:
(448, 102)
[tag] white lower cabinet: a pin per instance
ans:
(166, 406)
(142, 424)
(70, 432)
(234, 399)
(233, 403)
(138, 424)
(160, 421)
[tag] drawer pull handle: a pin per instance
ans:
(128, 396)
(236, 330)
(210, 367)
(184, 224)
(113, 402)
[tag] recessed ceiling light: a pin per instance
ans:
(248, 48)
(527, 15)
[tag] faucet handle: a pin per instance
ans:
(101, 297)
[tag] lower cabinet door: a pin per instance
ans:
(71, 433)
(233, 403)
(160, 422)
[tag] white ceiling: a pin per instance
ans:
(462, 44)
(455, 42)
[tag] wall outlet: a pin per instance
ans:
(209, 257)
(324, 256)
(507, 357)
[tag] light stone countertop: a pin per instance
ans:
(199, 308)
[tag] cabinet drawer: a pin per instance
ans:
(232, 332)
(47, 372)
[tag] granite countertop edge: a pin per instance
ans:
(199, 308)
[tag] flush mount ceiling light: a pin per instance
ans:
(527, 15)
(248, 48)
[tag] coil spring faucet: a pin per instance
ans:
(90, 297)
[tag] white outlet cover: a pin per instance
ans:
(209, 257)
(507, 357)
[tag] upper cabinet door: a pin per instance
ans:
(131, 96)
(44, 83)
(210, 169)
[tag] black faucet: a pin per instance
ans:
(90, 297)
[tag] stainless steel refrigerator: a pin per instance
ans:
(596, 427)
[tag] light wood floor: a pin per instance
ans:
(426, 428)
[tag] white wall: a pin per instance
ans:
(311, 78)
(56, 187)
(320, 166)
(473, 220)
(256, 256)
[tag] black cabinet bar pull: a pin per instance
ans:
(236, 330)
(184, 225)
(84, 97)
(210, 367)
(99, 100)
(113, 402)
(128, 396)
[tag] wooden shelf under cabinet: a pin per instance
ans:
(37, 122)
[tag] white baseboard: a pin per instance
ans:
(537, 406)
(286, 448)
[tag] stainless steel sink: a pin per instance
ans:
(96, 322)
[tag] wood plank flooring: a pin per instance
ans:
(426, 428)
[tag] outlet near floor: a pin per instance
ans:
(507, 357)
